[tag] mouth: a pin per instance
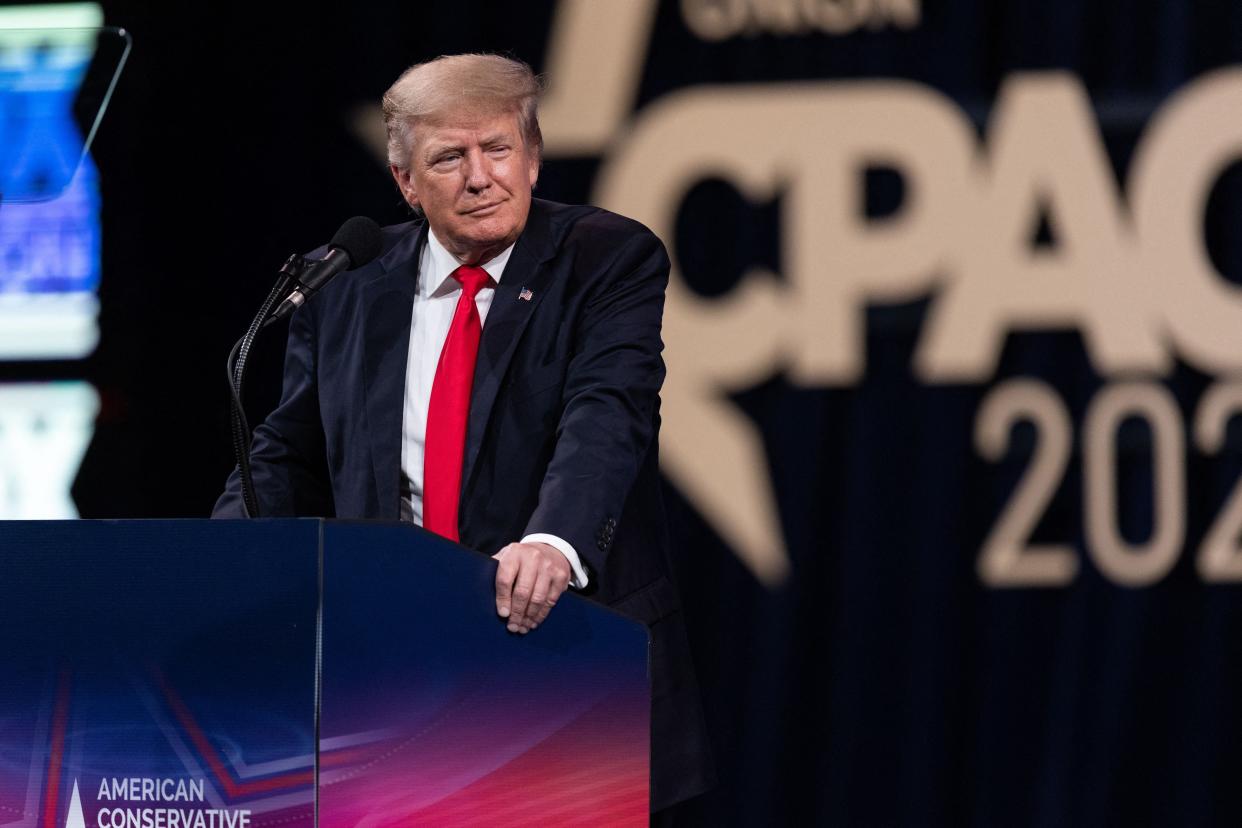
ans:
(485, 210)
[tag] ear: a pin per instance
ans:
(405, 183)
(533, 169)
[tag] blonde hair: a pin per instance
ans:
(431, 91)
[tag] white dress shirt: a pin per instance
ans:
(435, 300)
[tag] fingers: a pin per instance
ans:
(557, 580)
(530, 579)
(555, 587)
(550, 583)
(506, 572)
(523, 588)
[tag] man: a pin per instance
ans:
(494, 376)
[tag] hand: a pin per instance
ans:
(529, 580)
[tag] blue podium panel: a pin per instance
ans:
(157, 671)
(165, 674)
(433, 714)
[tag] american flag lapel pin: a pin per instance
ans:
(525, 295)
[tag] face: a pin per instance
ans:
(472, 175)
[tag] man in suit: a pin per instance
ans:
(494, 376)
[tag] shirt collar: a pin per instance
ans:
(441, 264)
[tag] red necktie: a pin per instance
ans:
(449, 410)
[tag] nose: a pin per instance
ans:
(478, 176)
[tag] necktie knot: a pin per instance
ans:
(472, 279)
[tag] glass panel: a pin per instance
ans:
(54, 87)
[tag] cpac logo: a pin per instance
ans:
(1133, 277)
(1131, 273)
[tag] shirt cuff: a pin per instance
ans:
(579, 580)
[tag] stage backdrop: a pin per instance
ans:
(954, 337)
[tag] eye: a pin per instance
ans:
(499, 150)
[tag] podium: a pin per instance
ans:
(302, 672)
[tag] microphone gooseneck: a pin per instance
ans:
(355, 244)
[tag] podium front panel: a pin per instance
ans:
(433, 714)
(161, 671)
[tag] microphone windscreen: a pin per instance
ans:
(360, 238)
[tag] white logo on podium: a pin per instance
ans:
(75, 818)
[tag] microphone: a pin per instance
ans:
(354, 245)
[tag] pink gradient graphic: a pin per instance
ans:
(479, 761)
(68, 740)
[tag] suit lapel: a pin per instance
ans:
(387, 306)
(507, 318)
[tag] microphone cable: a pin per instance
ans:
(236, 366)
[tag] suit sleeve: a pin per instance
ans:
(610, 402)
(287, 456)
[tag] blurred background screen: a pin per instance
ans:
(57, 68)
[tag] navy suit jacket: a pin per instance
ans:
(562, 438)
